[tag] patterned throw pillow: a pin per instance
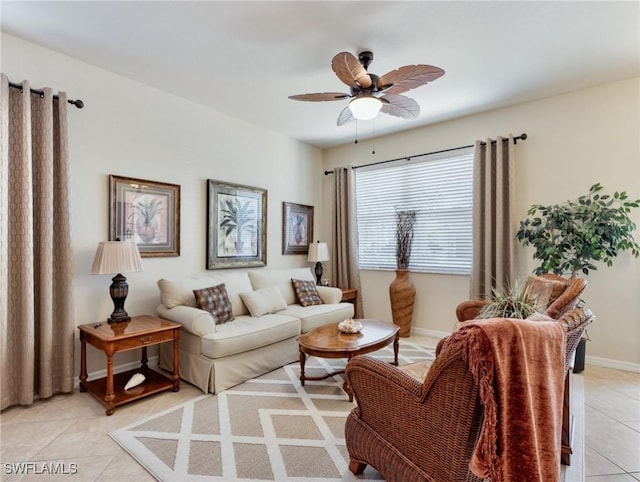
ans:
(544, 290)
(306, 292)
(216, 301)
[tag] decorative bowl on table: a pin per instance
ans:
(350, 326)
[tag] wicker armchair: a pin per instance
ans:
(423, 430)
(411, 430)
(565, 296)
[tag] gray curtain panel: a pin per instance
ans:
(493, 219)
(36, 257)
(345, 233)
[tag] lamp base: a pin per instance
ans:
(319, 273)
(118, 290)
(118, 317)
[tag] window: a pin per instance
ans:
(439, 188)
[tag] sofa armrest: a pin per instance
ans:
(330, 295)
(196, 321)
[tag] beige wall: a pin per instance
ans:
(575, 140)
(130, 129)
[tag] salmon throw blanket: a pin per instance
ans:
(519, 368)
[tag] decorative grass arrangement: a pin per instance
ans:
(511, 302)
(405, 221)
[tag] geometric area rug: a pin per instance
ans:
(267, 429)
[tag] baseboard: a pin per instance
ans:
(153, 363)
(616, 364)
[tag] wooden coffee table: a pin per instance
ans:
(328, 342)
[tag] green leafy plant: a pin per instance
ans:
(571, 237)
(511, 302)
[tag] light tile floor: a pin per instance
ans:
(72, 429)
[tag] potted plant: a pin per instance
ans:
(402, 291)
(569, 238)
(511, 302)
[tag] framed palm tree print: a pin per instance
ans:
(236, 225)
(297, 228)
(147, 212)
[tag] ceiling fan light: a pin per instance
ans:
(365, 107)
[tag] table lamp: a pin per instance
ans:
(318, 252)
(117, 257)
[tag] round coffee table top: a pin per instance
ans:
(329, 342)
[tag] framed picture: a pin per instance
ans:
(297, 228)
(236, 225)
(147, 212)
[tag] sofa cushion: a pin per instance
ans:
(215, 300)
(175, 292)
(180, 292)
(312, 317)
(237, 282)
(306, 292)
(329, 295)
(247, 333)
(265, 278)
(263, 301)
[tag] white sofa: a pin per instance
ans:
(216, 357)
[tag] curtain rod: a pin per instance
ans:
(521, 137)
(78, 103)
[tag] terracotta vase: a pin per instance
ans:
(402, 293)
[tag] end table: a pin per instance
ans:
(139, 332)
(351, 295)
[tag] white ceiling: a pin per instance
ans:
(245, 58)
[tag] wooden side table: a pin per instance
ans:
(139, 332)
(351, 295)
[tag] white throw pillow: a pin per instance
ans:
(263, 301)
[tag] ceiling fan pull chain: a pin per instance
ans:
(373, 151)
(356, 132)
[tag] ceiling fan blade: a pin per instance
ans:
(345, 116)
(400, 106)
(320, 96)
(350, 71)
(408, 77)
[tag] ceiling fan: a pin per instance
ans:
(371, 94)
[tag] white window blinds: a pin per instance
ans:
(439, 188)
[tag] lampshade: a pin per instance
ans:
(318, 252)
(365, 107)
(116, 257)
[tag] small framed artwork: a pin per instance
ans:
(297, 228)
(236, 225)
(147, 212)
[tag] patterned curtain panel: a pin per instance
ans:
(345, 233)
(493, 228)
(36, 258)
